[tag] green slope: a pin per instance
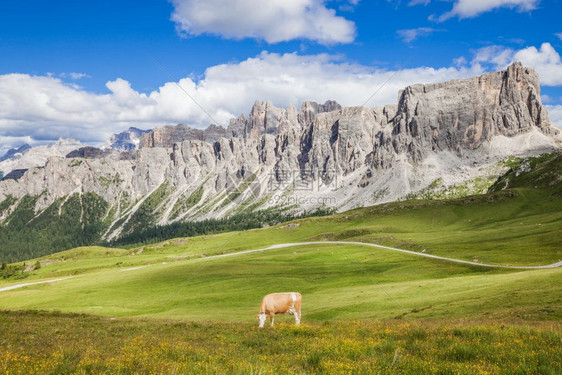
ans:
(338, 281)
(520, 226)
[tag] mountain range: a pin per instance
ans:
(450, 138)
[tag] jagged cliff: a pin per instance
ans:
(320, 155)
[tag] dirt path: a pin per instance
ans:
(281, 246)
(17, 286)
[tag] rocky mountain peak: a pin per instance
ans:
(328, 106)
(264, 118)
(127, 140)
(65, 143)
(463, 114)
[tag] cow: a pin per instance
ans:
(280, 303)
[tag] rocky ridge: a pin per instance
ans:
(320, 155)
(30, 157)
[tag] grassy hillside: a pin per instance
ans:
(339, 282)
(542, 172)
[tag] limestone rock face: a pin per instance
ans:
(320, 155)
(166, 136)
(462, 115)
(87, 152)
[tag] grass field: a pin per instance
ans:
(54, 343)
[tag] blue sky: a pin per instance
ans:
(86, 69)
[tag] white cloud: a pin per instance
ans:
(7, 143)
(472, 8)
(48, 108)
(499, 56)
(418, 2)
(273, 20)
(546, 98)
(348, 5)
(77, 76)
(459, 61)
(555, 114)
(558, 35)
(409, 35)
(545, 60)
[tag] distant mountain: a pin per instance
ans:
(127, 140)
(438, 136)
(37, 156)
(15, 152)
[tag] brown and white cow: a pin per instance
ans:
(280, 303)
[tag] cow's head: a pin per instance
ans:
(261, 318)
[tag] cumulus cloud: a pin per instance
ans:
(472, 8)
(545, 60)
(72, 75)
(499, 56)
(48, 108)
(409, 35)
(273, 20)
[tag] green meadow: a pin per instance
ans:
(180, 279)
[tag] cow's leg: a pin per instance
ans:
(298, 315)
(262, 317)
(272, 317)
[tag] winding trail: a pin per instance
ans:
(17, 286)
(287, 245)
